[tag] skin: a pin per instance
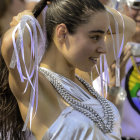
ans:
(90, 38)
(128, 33)
(69, 54)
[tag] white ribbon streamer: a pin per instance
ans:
(37, 51)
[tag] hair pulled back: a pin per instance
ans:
(70, 12)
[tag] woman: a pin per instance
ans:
(68, 108)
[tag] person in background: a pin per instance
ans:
(8, 9)
(130, 75)
(131, 81)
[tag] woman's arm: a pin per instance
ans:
(7, 52)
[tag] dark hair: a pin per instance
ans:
(70, 12)
(4, 4)
(11, 122)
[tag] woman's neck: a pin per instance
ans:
(54, 60)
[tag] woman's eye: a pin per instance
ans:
(97, 37)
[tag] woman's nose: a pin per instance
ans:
(102, 48)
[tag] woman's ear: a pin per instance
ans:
(61, 32)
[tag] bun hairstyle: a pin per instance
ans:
(70, 12)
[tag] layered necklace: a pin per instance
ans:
(77, 104)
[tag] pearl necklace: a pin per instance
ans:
(85, 109)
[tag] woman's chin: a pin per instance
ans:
(86, 69)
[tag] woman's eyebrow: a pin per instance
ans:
(97, 31)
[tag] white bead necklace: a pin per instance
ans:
(85, 109)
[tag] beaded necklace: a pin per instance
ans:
(85, 109)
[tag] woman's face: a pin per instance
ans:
(83, 49)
